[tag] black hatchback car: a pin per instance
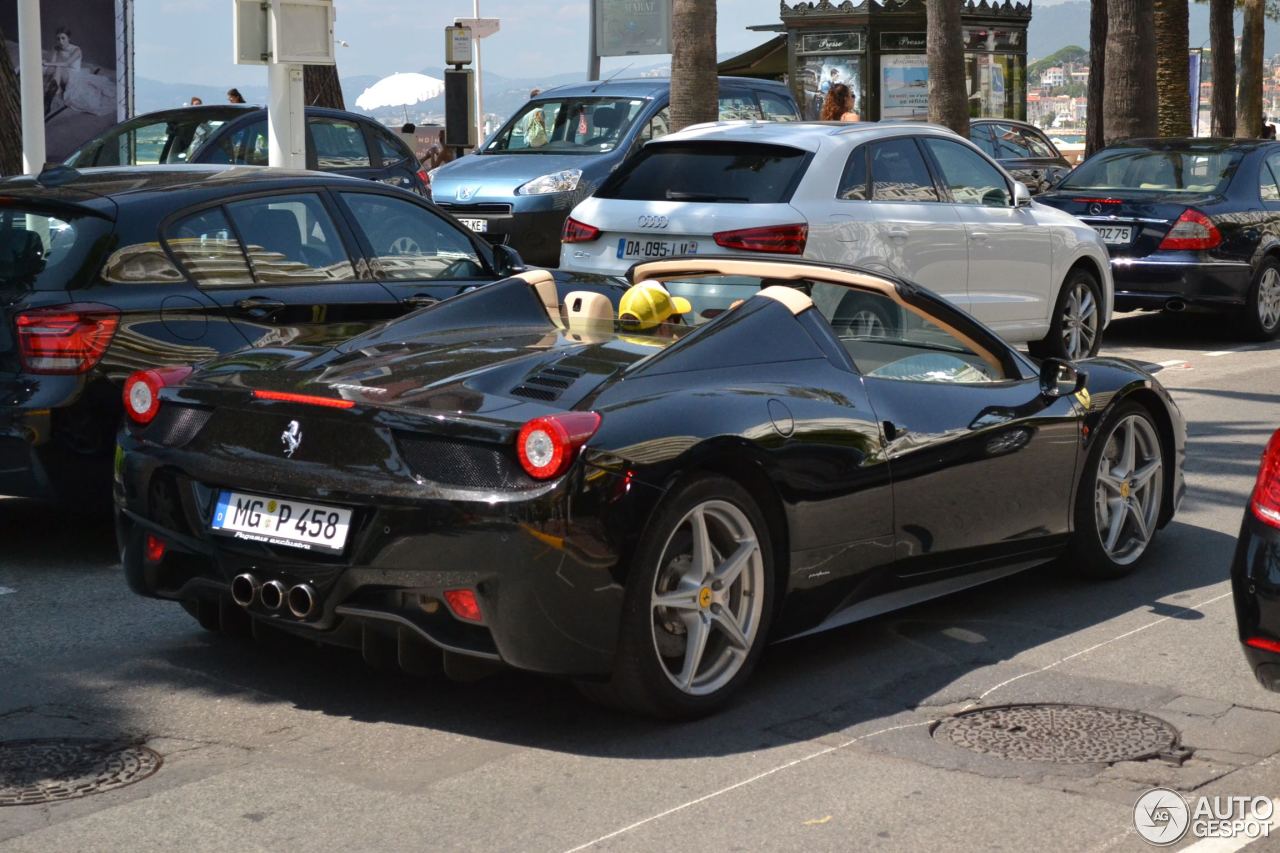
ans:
(231, 134)
(107, 271)
(1189, 223)
(1023, 150)
(1255, 572)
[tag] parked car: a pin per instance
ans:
(635, 487)
(106, 271)
(1255, 580)
(1189, 223)
(232, 134)
(520, 185)
(1023, 150)
(912, 200)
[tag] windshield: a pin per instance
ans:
(148, 142)
(1187, 170)
(567, 126)
(39, 251)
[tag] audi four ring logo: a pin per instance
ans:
(652, 221)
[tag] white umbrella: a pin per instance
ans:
(400, 90)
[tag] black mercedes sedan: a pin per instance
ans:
(636, 487)
(1255, 572)
(1023, 150)
(1189, 224)
(106, 271)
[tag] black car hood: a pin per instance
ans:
(471, 371)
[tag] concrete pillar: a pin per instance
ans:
(286, 117)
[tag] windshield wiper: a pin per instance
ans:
(679, 196)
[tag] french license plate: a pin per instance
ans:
(276, 521)
(1121, 235)
(480, 226)
(629, 248)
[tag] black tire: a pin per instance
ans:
(1261, 324)
(1054, 344)
(1087, 553)
(862, 316)
(642, 682)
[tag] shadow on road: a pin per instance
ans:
(1184, 330)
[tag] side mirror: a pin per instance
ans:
(507, 261)
(1060, 378)
(1021, 195)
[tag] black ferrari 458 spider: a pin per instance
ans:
(637, 487)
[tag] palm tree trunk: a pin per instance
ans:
(10, 119)
(695, 86)
(1128, 109)
(1249, 101)
(1222, 41)
(1093, 139)
(948, 100)
(1173, 68)
(321, 88)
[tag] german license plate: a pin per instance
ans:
(277, 521)
(1115, 234)
(480, 226)
(630, 248)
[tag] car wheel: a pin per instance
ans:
(860, 317)
(1262, 320)
(1121, 494)
(1075, 331)
(698, 604)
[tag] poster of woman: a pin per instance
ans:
(83, 82)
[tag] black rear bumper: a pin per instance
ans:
(1158, 279)
(1255, 584)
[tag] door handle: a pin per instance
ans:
(259, 306)
(893, 431)
(979, 236)
(420, 300)
(897, 232)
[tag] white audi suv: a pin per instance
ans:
(910, 199)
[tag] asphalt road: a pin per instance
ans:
(293, 747)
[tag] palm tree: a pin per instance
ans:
(948, 99)
(1173, 97)
(1128, 110)
(1094, 137)
(1249, 100)
(1222, 43)
(10, 119)
(695, 87)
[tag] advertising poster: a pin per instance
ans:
(820, 73)
(84, 66)
(904, 86)
(631, 27)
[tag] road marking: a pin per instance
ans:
(1230, 845)
(1217, 353)
(4, 590)
(1138, 630)
(743, 783)
(1176, 362)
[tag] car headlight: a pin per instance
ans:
(556, 182)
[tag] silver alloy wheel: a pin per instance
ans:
(708, 598)
(404, 246)
(866, 324)
(1080, 321)
(1129, 489)
(1269, 298)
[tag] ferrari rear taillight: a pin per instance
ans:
(578, 232)
(547, 446)
(1193, 230)
(142, 391)
(65, 338)
(774, 239)
(1266, 491)
(304, 399)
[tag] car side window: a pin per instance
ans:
(970, 178)
(738, 105)
(339, 144)
(409, 242)
(898, 172)
(888, 340)
(853, 183)
(980, 135)
(1010, 142)
(246, 146)
(207, 247)
(1269, 178)
(658, 126)
(390, 148)
(291, 239)
(776, 108)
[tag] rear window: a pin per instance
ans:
(147, 142)
(1187, 170)
(719, 172)
(39, 251)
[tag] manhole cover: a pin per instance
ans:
(46, 771)
(1062, 734)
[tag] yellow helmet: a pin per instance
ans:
(648, 304)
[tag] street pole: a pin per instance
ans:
(593, 57)
(32, 86)
(475, 13)
(286, 109)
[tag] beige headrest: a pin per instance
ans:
(788, 296)
(587, 311)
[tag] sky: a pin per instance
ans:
(190, 40)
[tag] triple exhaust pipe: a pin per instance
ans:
(300, 599)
